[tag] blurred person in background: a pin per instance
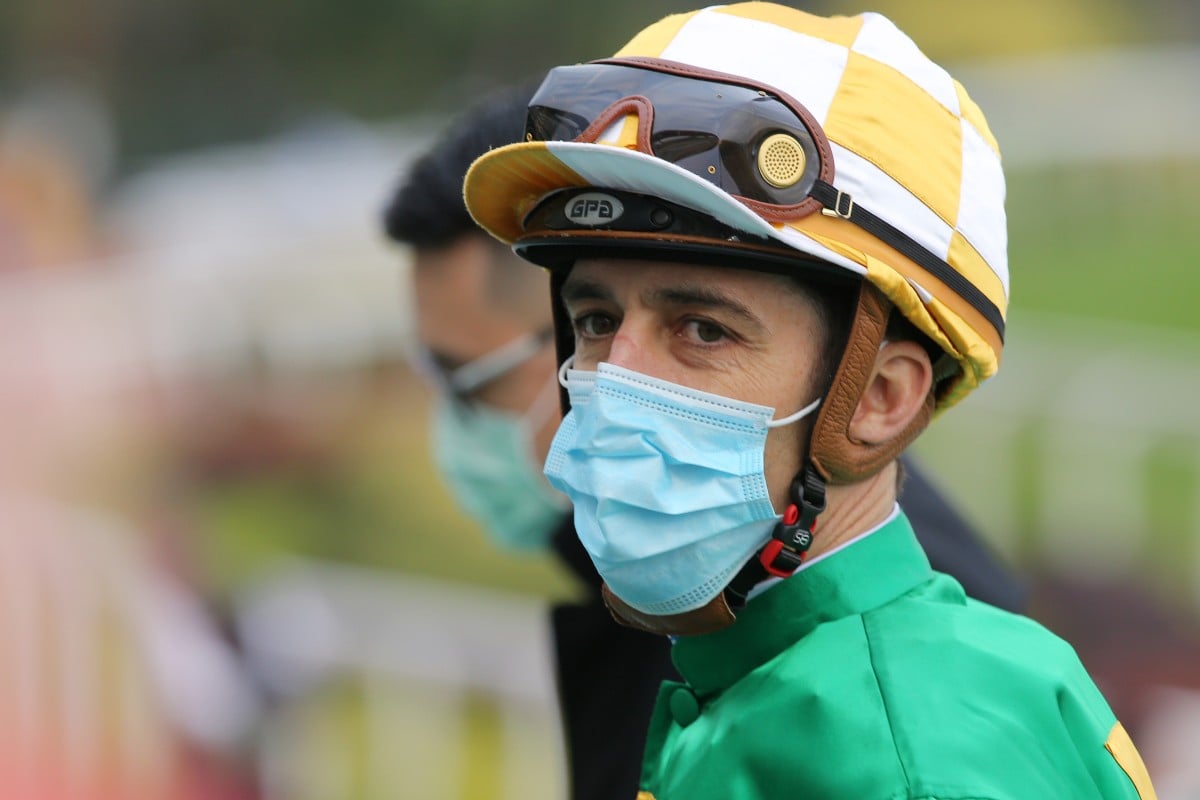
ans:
(115, 680)
(752, 215)
(55, 144)
(484, 326)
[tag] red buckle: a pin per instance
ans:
(773, 550)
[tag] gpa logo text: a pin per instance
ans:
(594, 208)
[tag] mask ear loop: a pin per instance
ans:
(562, 371)
(488, 367)
(799, 415)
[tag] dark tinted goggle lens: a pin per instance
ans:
(745, 141)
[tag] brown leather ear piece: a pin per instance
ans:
(836, 455)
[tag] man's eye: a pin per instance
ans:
(704, 331)
(594, 325)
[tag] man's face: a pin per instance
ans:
(746, 335)
(459, 319)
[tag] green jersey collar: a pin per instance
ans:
(864, 574)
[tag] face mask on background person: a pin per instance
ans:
(667, 482)
(485, 455)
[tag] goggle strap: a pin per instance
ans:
(840, 204)
(470, 377)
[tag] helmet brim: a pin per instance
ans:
(504, 185)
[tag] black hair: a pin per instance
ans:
(835, 301)
(901, 329)
(427, 209)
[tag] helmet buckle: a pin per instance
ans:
(842, 208)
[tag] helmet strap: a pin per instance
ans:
(790, 539)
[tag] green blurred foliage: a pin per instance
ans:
(1170, 478)
(1079, 237)
(367, 494)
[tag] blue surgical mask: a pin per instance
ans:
(667, 482)
(485, 457)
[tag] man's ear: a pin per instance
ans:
(896, 393)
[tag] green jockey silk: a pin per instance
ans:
(868, 676)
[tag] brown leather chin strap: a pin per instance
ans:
(837, 456)
(713, 616)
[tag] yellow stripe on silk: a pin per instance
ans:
(892, 122)
(945, 326)
(831, 232)
(1127, 757)
(951, 322)
(978, 359)
(967, 261)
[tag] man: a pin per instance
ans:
(482, 320)
(777, 248)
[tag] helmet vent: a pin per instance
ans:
(781, 160)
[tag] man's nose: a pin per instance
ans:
(631, 345)
(624, 351)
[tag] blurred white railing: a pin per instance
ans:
(416, 651)
(1060, 109)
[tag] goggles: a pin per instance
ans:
(752, 141)
(463, 382)
(748, 141)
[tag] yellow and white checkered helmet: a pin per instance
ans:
(892, 152)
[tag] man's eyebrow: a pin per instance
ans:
(576, 290)
(705, 297)
(699, 296)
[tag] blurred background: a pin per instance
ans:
(227, 569)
